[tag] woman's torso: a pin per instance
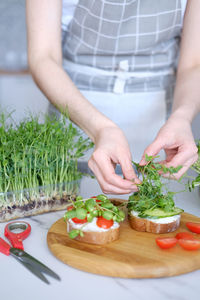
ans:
(139, 36)
(101, 34)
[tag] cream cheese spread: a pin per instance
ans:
(166, 220)
(91, 226)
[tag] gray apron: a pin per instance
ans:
(122, 56)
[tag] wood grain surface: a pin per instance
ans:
(134, 255)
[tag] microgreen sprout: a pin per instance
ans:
(194, 181)
(153, 192)
(34, 154)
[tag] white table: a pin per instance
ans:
(18, 283)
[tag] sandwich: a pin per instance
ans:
(94, 220)
(154, 219)
(152, 208)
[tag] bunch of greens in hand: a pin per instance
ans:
(153, 198)
(195, 167)
(82, 211)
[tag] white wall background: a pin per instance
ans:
(18, 93)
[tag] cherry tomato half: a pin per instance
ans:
(70, 207)
(184, 236)
(166, 243)
(189, 244)
(94, 197)
(194, 227)
(98, 200)
(79, 221)
(103, 223)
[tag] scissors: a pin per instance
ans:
(17, 250)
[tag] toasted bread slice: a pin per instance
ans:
(154, 226)
(96, 237)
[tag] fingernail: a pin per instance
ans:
(142, 162)
(137, 181)
(134, 190)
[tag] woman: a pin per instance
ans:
(114, 70)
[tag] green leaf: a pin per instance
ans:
(79, 204)
(81, 213)
(119, 219)
(78, 198)
(107, 205)
(99, 213)
(90, 204)
(74, 233)
(81, 233)
(103, 198)
(121, 214)
(70, 214)
(107, 215)
(177, 169)
(165, 169)
(115, 209)
(115, 218)
(90, 217)
(148, 158)
(94, 213)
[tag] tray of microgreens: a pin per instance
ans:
(38, 165)
(153, 198)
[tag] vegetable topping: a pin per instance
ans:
(103, 223)
(166, 243)
(194, 227)
(189, 244)
(184, 236)
(153, 198)
(82, 211)
(185, 239)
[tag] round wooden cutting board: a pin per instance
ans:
(134, 255)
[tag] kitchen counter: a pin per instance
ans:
(19, 284)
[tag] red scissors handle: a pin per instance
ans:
(17, 238)
(4, 247)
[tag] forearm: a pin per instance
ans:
(61, 92)
(187, 94)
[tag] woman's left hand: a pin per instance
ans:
(176, 139)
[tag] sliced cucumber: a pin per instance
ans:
(159, 213)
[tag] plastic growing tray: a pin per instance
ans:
(38, 200)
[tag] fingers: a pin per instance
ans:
(152, 150)
(183, 158)
(111, 183)
(128, 170)
(184, 155)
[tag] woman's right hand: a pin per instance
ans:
(111, 148)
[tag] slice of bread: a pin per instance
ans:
(163, 225)
(96, 237)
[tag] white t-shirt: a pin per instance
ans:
(68, 12)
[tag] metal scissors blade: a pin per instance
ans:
(34, 265)
(33, 270)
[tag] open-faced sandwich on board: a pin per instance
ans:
(152, 208)
(94, 220)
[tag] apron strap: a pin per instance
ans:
(120, 80)
(121, 75)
